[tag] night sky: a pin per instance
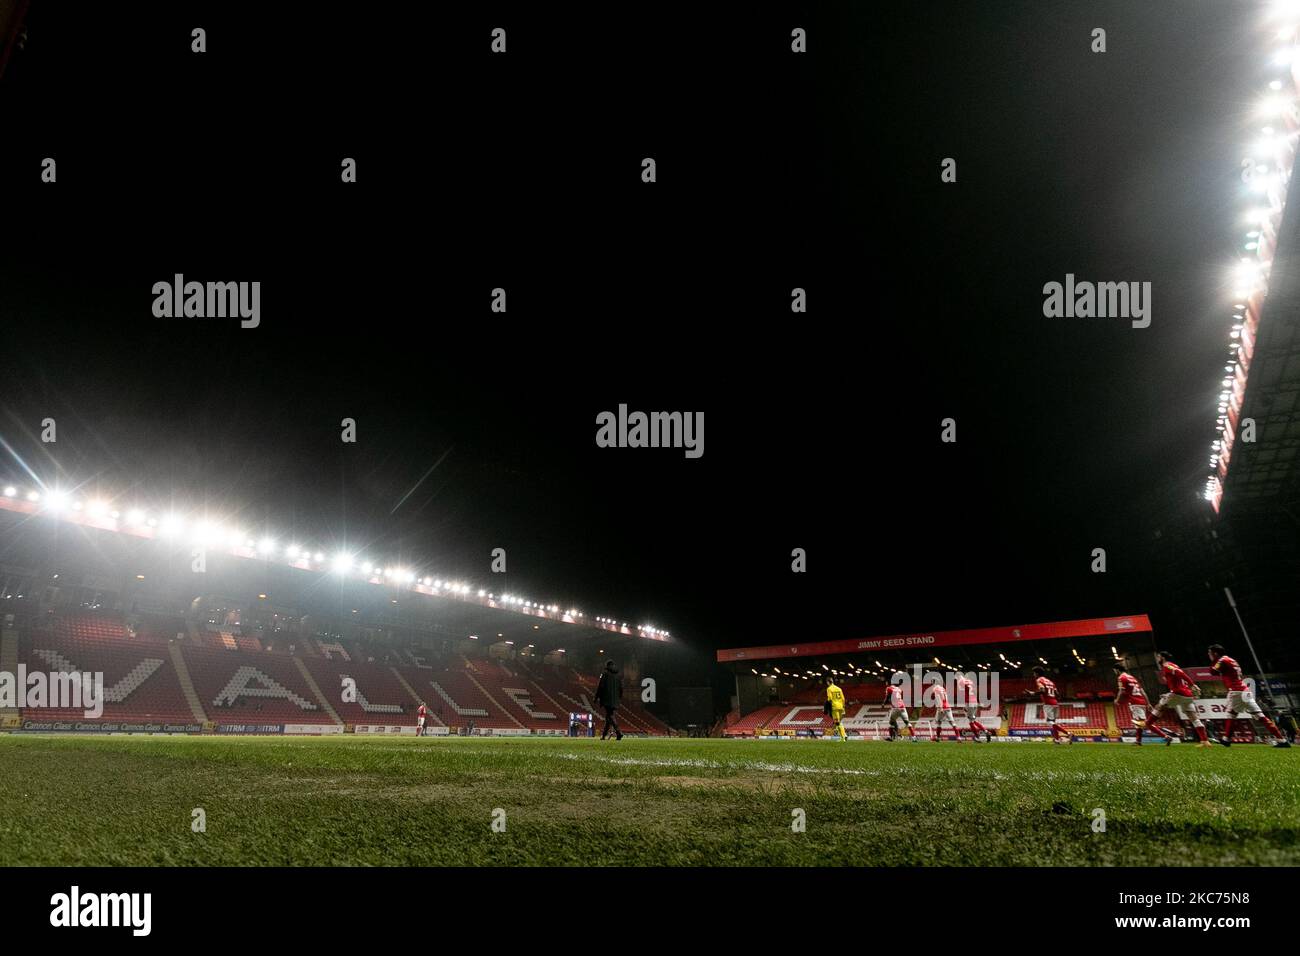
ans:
(821, 171)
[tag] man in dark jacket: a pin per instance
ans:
(608, 694)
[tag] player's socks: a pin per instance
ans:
(1272, 728)
(1201, 735)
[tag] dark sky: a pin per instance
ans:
(522, 171)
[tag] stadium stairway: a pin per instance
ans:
(187, 685)
(495, 703)
(315, 689)
(559, 708)
(431, 717)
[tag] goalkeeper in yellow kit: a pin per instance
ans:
(835, 707)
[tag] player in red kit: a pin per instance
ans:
(1181, 698)
(1240, 699)
(943, 712)
(897, 711)
(420, 715)
(1130, 692)
(969, 699)
(1045, 689)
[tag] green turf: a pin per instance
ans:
(357, 801)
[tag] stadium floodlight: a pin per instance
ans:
(135, 516)
(481, 592)
(57, 501)
(318, 557)
(1271, 106)
(1284, 10)
(97, 508)
(10, 491)
(292, 551)
(206, 533)
(266, 545)
(342, 562)
(171, 525)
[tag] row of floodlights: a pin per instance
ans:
(212, 534)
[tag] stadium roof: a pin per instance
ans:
(460, 607)
(1261, 374)
(1092, 627)
(1265, 471)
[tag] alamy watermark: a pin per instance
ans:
(208, 300)
(626, 429)
(63, 690)
(919, 687)
(1102, 300)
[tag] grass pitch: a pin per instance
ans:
(431, 802)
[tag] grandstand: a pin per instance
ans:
(228, 683)
(254, 645)
(777, 698)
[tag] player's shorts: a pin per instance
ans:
(898, 713)
(1137, 713)
(419, 721)
(1051, 713)
(1242, 702)
(972, 713)
(1183, 706)
(945, 714)
(836, 715)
